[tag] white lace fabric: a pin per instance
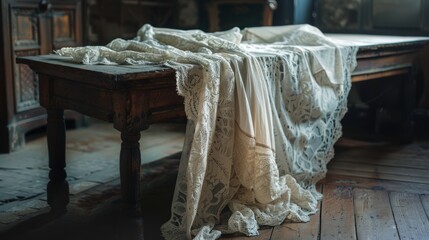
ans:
(264, 107)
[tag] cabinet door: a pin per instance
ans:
(30, 27)
(37, 29)
(27, 38)
(66, 24)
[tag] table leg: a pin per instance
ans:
(130, 161)
(407, 105)
(58, 188)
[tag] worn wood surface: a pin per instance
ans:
(411, 219)
(349, 179)
(374, 218)
(338, 220)
(264, 234)
(132, 97)
(87, 160)
(406, 163)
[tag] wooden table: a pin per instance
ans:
(389, 56)
(133, 97)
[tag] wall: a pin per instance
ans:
(109, 19)
(389, 17)
(293, 12)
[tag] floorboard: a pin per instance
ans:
(410, 216)
(337, 220)
(375, 184)
(376, 174)
(372, 191)
(403, 162)
(373, 214)
(425, 201)
(299, 231)
(264, 234)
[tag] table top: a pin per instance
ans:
(370, 46)
(365, 41)
(111, 72)
(107, 76)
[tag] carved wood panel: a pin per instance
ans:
(65, 19)
(30, 27)
(63, 25)
(25, 27)
(26, 84)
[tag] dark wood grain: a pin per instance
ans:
(58, 189)
(130, 161)
(131, 97)
(26, 31)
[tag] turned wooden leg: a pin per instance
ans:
(58, 188)
(407, 105)
(130, 161)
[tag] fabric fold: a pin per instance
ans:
(264, 107)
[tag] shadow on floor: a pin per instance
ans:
(107, 222)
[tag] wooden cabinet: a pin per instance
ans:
(123, 18)
(226, 14)
(30, 27)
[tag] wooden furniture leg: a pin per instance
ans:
(407, 105)
(58, 188)
(130, 161)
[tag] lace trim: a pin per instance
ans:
(263, 119)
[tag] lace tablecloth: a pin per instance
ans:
(264, 107)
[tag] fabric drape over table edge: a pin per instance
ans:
(264, 108)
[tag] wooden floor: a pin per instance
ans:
(372, 191)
